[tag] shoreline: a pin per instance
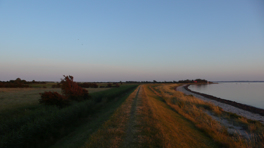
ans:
(249, 108)
(223, 105)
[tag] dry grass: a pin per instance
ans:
(146, 132)
(173, 129)
(113, 131)
(193, 109)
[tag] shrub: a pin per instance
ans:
(72, 90)
(116, 85)
(53, 98)
(109, 85)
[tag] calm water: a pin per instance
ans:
(245, 93)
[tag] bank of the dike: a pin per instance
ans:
(247, 111)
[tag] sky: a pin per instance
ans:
(132, 40)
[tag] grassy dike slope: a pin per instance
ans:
(145, 120)
(92, 123)
(176, 130)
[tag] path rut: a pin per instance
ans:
(129, 140)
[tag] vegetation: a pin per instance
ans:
(70, 90)
(113, 131)
(47, 122)
(154, 115)
(196, 111)
(53, 98)
(88, 85)
(18, 83)
(194, 81)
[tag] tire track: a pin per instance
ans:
(129, 140)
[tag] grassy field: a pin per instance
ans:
(20, 127)
(47, 85)
(11, 98)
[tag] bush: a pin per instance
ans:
(109, 85)
(53, 98)
(117, 85)
(72, 90)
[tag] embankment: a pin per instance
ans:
(226, 105)
(233, 103)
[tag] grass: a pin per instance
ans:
(156, 125)
(90, 130)
(148, 133)
(112, 132)
(163, 117)
(176, 130)
(194, 110)
(32, 127)
(19, 102)
(12, 98)
(47, 85)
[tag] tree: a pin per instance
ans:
(18, 81)
(72, 90)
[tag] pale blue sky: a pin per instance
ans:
(132, 40)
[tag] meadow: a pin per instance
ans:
(11, 98)
(31, 121)
(146, 115)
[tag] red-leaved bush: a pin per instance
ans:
(70, 90)
(53, 98)
(109, 85)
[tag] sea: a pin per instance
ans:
(249, 93)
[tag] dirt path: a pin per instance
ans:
(129, 139)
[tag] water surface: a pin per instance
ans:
(245, 93)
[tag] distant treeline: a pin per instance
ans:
(19, 83)
(180, 81)
(194, 81)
